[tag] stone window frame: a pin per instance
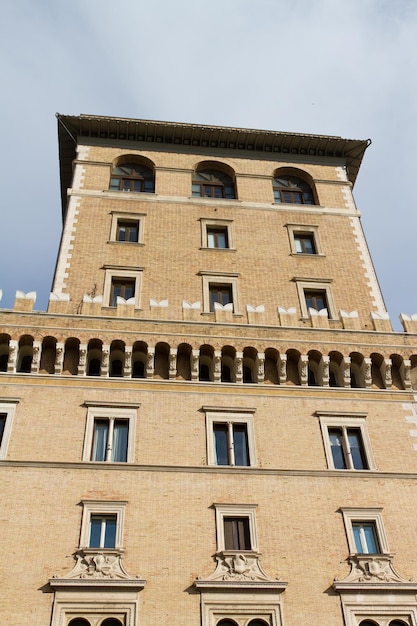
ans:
(381, 615)
(241, 608)
(102, 507)
(217, 415)
(125, 216)
(108, 411)
(247, 511)
(313, 284)
(301, 229)
(220, 278)
(134, 273)
(90, 606)
(216, 223)
(365, 515)
(7, 407)
(343, 419)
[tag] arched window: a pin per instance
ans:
(209, 183)
(292, 190)
(79, 621)
(111, 621)
(132, 177)
(226, 622)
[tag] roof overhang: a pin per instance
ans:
(73, 129)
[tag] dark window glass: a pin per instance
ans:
(127, 231)
(3, 417)
(304, 244)
(132, 177)
(119, 440)
(102, 531)
(231, 444)
(78, 621)
(212, 184)
(292, 190)
(217, 237)
(111, 621)
(236, 533)
(315, 299)
(125, 288)
(366, 541)
(344, 443)
(221, 294)
(357, 448)
(336, 444)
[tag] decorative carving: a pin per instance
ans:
(233, 566)
(98, 564)
(128, 359)
(105, 357)
(83, 354)
(375, 568)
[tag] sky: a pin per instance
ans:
(328, 67)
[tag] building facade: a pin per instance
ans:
(213, 424)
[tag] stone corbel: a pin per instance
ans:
(303, 369)
(319, 319)
(172, 363)
(282, 369)
(195, 361)
(59, 357)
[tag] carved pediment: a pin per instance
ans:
(370, 571)
(94, 566)
(239, 569)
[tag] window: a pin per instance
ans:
(217, 237)
(110, 433)
(315, 299)
(316, 295)
(132, 177)
(230, 437)
(236, 527)
(366, 541)
(110, 440)
(231, 444)
(219, 288)
(102, 531)
(292, 190)
(123, 287)
(7, 410)
(122, 282)
(346, 441)
(102, 524)
(216, 234)
(365, 531)
(347, 448)
(236, 533)
(127, 227)
(221, 294)
(210, 183)
(304, 243)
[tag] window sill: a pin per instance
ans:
(129, 243)
(219, 249)
(307, 254)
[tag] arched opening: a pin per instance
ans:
(376, 373)
(206, 363)
(161, 369)
(357, 375)
(4, 351)
(336, 374)
(396, 371)
(250, 374)
(293, 374)
(213, 180)
(111, 621)
(25, 355)
(71, 356)
(184, 361)
(48, 356)
(94, 357)
(291, 187)
(271, 366)
(117, 358)
(226, 622)
(132, 174)
(139, 357)
(79, 621)
(315, 377)
(228, 374)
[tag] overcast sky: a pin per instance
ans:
(331, 67)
